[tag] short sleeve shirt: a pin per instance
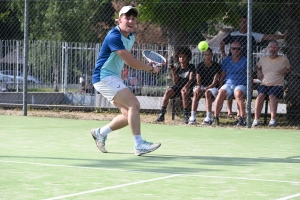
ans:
(184, 74)
(109, 63)
(236, 73)
(271, 69)
(206, 73)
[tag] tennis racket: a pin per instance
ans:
(152, 56)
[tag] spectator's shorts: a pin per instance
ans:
(177, 90)
(109, 87)
(214, 90)
(277, 91)
(230, 89)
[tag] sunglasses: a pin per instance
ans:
(236, 48)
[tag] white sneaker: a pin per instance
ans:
(99, 139)
(146, 147)
(255, 122)
(207, 121)
(272, 122)
(192, 121)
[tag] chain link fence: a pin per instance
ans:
(65, 38)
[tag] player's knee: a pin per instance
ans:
(135, 105)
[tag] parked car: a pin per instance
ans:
(10, 74)
(19, 77)
(5, 78)
(32, 79)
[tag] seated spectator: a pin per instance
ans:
(271, 70)
(242, 37)
(235, 73)
(207, 76)
(183, 77)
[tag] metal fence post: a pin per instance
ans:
(65, 68)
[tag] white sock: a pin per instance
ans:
(208, 115)
(105, 130)
(137, 139)
(193, 114)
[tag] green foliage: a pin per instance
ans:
(4, 16)
(9, 23)
(66, 20)
(185, 14)
(89, 21)
(40, 90)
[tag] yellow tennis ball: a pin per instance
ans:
(203, 46)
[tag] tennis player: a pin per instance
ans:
(107, 80)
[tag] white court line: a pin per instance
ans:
(290, 197)
(80, 167)
(124, 185)
(133, 171)
(112, 187)
(247, 179)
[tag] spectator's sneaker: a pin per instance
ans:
(272, 122)
(192, 121)
(186, 119)
(207, 121)
(161, 118)
(255, 122)
(241, 122)
(99, 139)
(146, 147)
(216, 121)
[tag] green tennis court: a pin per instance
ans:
(53, 158)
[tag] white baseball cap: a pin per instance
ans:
(125, 9)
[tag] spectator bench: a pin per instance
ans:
(175, 101)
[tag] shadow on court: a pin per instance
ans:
(157, 163)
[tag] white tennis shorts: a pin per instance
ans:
(230, 89)
(213, 90)
(109, 87)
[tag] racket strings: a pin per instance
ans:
(155, 57)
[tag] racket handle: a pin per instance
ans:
(158, 65)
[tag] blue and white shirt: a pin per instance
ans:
(108, 62)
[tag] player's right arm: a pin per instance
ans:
(136, 64)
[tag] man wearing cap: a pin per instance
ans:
(114, 52)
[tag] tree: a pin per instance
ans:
(9, 23)
(76, 21)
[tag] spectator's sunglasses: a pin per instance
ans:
(236, 48)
